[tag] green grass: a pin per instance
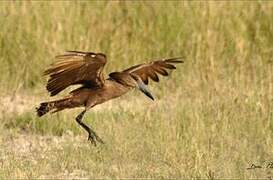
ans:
(212, 118)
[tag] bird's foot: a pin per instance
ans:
(94, 138)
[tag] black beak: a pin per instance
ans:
(143, 88)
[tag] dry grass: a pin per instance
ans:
(212, 117)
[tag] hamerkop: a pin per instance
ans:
(85, 68)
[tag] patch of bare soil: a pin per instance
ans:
(17, 104)
(32, 148)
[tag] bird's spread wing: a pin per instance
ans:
(152, 69)
(75, 67)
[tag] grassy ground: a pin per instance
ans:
(212, 118)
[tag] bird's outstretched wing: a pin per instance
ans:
(75, 67)
(152, 69)
(136, 76)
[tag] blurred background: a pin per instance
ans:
(212, 117)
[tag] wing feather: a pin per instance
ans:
(76, 67)
(160, 70)
(150, 70)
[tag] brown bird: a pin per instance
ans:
(85, 68)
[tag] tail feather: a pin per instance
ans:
(44, 108)
(58, 105)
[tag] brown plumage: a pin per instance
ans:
(85, 68)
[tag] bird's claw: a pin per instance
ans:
(94, 138)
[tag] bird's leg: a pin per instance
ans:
(92, 136)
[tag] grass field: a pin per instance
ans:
(212, 118)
